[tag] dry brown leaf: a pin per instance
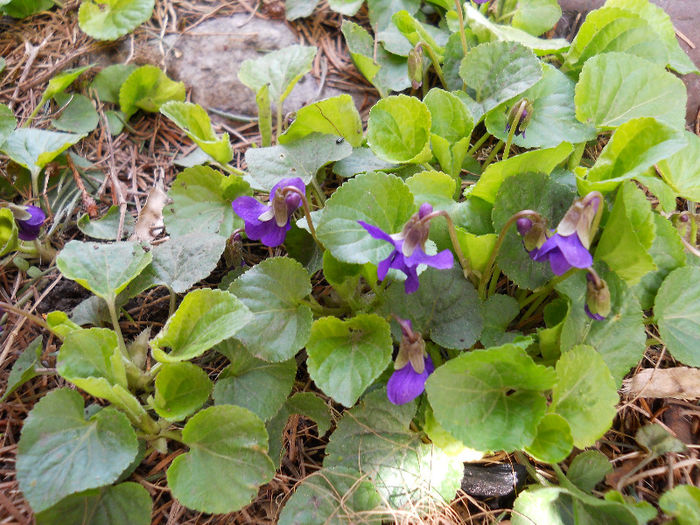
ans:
(150, 222)
(678, 383)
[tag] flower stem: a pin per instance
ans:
(513, 127)
(546, 289)
(462, 34)
(307, 211)
(463, 261)
(520, 457)
(478, 143)
(488, 269)
(115, 323)
(433, 58)
(231, 169)
(173, 301)
(492, 155)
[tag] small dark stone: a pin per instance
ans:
(496, 481)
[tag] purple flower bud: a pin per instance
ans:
(524, 224)
(406, 384)
(29, 228)
(270, 223)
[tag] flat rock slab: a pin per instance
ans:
(685, 15)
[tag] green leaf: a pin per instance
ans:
(110, 19)
(305, 404)
(528, 191)
(381, 11)
(231, 442)
(333, 116)
(486, 30)
(445, 308)
(340, 496)
(78, 115)
(634, 147)
(35, 148)
(553, 118)
(180, 263)
(111, 505)
(536, 16)
(542, 161)
(376, 198)
(588, 469)
(346, 7)
(60, 453)
(620, 338)
(181, 389)
(345, 357)
(398, 130)
(194, 121)
(148, 88)
(682, 169)
(683, 503)
(374, 437)
(498, 71)
(585, 394)
(615, 30)
(204, 318)
(202, 202)
(104, 269)
(498, 310)
(415, 32)
(116, 121)
(281, 69)
(8, 231)
(301, 158)
(668, 253)
(299, 8)
(362, 160)
(628, 235)
(662, 25)
(280, 324)
(60, 82)
(553, 441)
(497, 392)
(616, 87)
(107, 226)
(108, 81)
(23, 369)
(7, 123)
(450, 118)
(677, 312)
(251, 383)
(59, 323)
(25, 8)
(657, 440)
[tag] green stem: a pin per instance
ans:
(231, 169)
(478, 143)
(494, 280)
(175, 435)
(576, 156)
(433, 58)
(319, 192)
(513, 126)
(307, 211)
(546, 289)
(488, 269)
(462, 33)
(173, 301)
(520, 457)
(115, 323)
(33, 113)
(492, 155)
(279, 120)
(463, 261)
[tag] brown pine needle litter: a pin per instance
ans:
(41, 46)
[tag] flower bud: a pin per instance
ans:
(411, 348)
(523, 108)
(415, 232)
(533, 231)
(597, 298)
(686, 226)
(415, 66)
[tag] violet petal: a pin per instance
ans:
(442, 261)
(405, 384)
(249, 209)
(595, 317)
(377, 233)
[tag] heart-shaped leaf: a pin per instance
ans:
(204, 318)
(148, 88)
(35, 148)
(231, 442)
(108, 82)
(181, 389)
(78, 114)
(110, 19)
(333, 116)
(345, 357)
(23, 369)
(553, 441)
(60, 453)
(682, 169)
(536, 16)
(106, 227)
(398, 130)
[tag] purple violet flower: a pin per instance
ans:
(269, 223)
(564, 253)
(409, 249)
(413, 366)
(29, 228)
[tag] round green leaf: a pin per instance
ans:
(78, 115)
(251, 383)
(445, 308)
(110, 19)
(61, 453)
(375, 198)
(273, 291)
(202, 202)
(374, 437)
(148, 88)
(682, 502)
(104, 269)
(588, 469)
(340, 497)
(450, 118)
(226, 463)
(345, 357)
(112, 505)
(553, 441)
(616, 87)
(35, 148)
(498, 71)
(552, 119)
(108, 81)
(181, 388)
(677, 311)
(585, 394)
(682, 169)
(194, 121)
(536, 16)
(491, 399)
(204, 318)
(106, 227)
(332, 116)
(398, 130)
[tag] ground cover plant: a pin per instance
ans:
(470, 271)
